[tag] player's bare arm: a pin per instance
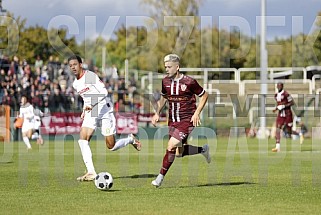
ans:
(160, 104)
(86, 108)
(196, 116)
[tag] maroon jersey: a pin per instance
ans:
(180, 94)
(283, 98)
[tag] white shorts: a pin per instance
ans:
(26, 126)
(107, 123)
(37, 123)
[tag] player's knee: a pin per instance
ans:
(171, 148)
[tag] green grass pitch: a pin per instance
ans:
(245, 177)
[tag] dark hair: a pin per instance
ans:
(26, 96)
(75, 57)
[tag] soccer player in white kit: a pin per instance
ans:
(97, 110)
(27, 113)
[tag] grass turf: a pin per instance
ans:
(243, 178)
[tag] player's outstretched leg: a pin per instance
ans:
(206, 153)
(136, 143)
(193, 150)
(131, 139)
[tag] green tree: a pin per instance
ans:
(59, 44)
(177, 31)
(10, 29)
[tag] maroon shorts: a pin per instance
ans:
(287, 121)
(180, 130)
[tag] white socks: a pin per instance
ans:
(277, 146)
(122, 143)
(26, 141)
(87, 155)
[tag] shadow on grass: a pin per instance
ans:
(6, 162)
(139, 176)
(220, 184)
(309, 150)
(226, 184)
(109, 191)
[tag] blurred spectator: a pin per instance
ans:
(51, 68)
(16, 65)
(121, 89)
(48, 85)
(44, 74)
(4, 63)
(36, 99)
(120, 106)
(38, 63)
(9, 99)
(57, 67)
(27, 69)
(114, 72)
(107, 74)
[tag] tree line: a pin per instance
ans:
(174, 26)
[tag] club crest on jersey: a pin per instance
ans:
(183, 87)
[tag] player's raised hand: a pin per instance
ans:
(196, 120)
(155, 119)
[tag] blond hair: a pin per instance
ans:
(171, 58)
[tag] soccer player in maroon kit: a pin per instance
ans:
(179, 90)
(284, 118)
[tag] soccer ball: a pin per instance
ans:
(104, 181)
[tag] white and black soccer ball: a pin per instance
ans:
(104, 181)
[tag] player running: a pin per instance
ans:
(97, 111)
(179, 90)
(284, 118)
(27, 113)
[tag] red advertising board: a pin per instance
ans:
(126, 123)
(70, 123)
(147, 117)
(61, 123)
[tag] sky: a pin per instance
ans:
(90, 18)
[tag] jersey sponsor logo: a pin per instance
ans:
(83, 90)
(177, 99)
(183, 87)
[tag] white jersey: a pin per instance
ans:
(93, 91)
(38, 114)
(27, 113)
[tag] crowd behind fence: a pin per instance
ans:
(48, 83)
(48, 86)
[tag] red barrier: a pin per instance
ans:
(61, 123)
(70, 123)
(126, 123)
